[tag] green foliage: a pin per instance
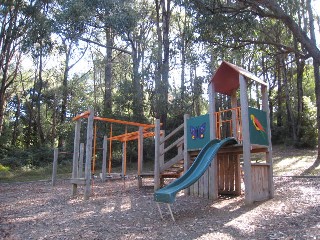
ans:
(17, 158)
(202, 36)
(4, 168)
(309, 129)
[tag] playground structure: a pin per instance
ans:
(89, 152)
(223, 136)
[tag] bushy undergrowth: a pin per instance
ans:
(15, 158)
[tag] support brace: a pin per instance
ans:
(169, 207)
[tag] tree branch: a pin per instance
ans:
(104, 46)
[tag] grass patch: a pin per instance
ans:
(288, 161)
(28, 173)
(294, 162)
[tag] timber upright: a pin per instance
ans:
(218, 139)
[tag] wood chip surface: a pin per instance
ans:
(120, 210)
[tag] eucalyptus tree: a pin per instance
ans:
(272, 9)
(108, 20)
(13, 18)
(302, 45)
(123, 29)
(163, 13)
(70, 18)
(191, 53)
(39, 44)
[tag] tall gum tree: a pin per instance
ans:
(271, 9)
(12, 28)
(163, 15)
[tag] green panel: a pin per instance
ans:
(258, 126)
(198, 132)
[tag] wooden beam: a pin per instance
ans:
(54, 166)
(157, 156)
(186, 155)
(124, 159)
(234, 114)
(246, 140)
(140, 150)
(80, 165)
(172, 133)
(171, 162)
(76, 145)
(87, 190)
(174, 144)
(104, 158)
(265, 107)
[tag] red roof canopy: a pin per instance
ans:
(226, 78)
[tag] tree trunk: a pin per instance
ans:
(137, 82)
(300, 70)
(166, 15)
(162, 71)
(54, 121)
(38, 102)
(108, 74)
(183, 63)
(316, 68)
(2, 101)
(63, 113)
(15, 132)
(279, 95)
(8, 37)
(290, 117)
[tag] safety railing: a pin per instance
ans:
(228, 124)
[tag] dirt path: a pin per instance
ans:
(118, 211)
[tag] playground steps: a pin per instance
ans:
(193, 155)
(175, 171)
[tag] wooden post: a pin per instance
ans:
(157, 155)
(162, 137)
(110, 151)
(265, 107)
(213, 168)
(80, 170)
(212, 111)
(88, 154)
(186, 155)
(76, 146)
(234, 114)
(246, 140)
(140, 151)
(124, 159)
(104, 158)
(54, 166)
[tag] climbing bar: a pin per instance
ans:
(82, 115)
(124, 122)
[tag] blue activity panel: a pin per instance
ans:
(198, 132)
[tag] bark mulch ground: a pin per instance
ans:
(119, 210)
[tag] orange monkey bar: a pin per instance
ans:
(82, 115)
(131, 136)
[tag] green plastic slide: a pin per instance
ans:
(197, 169)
